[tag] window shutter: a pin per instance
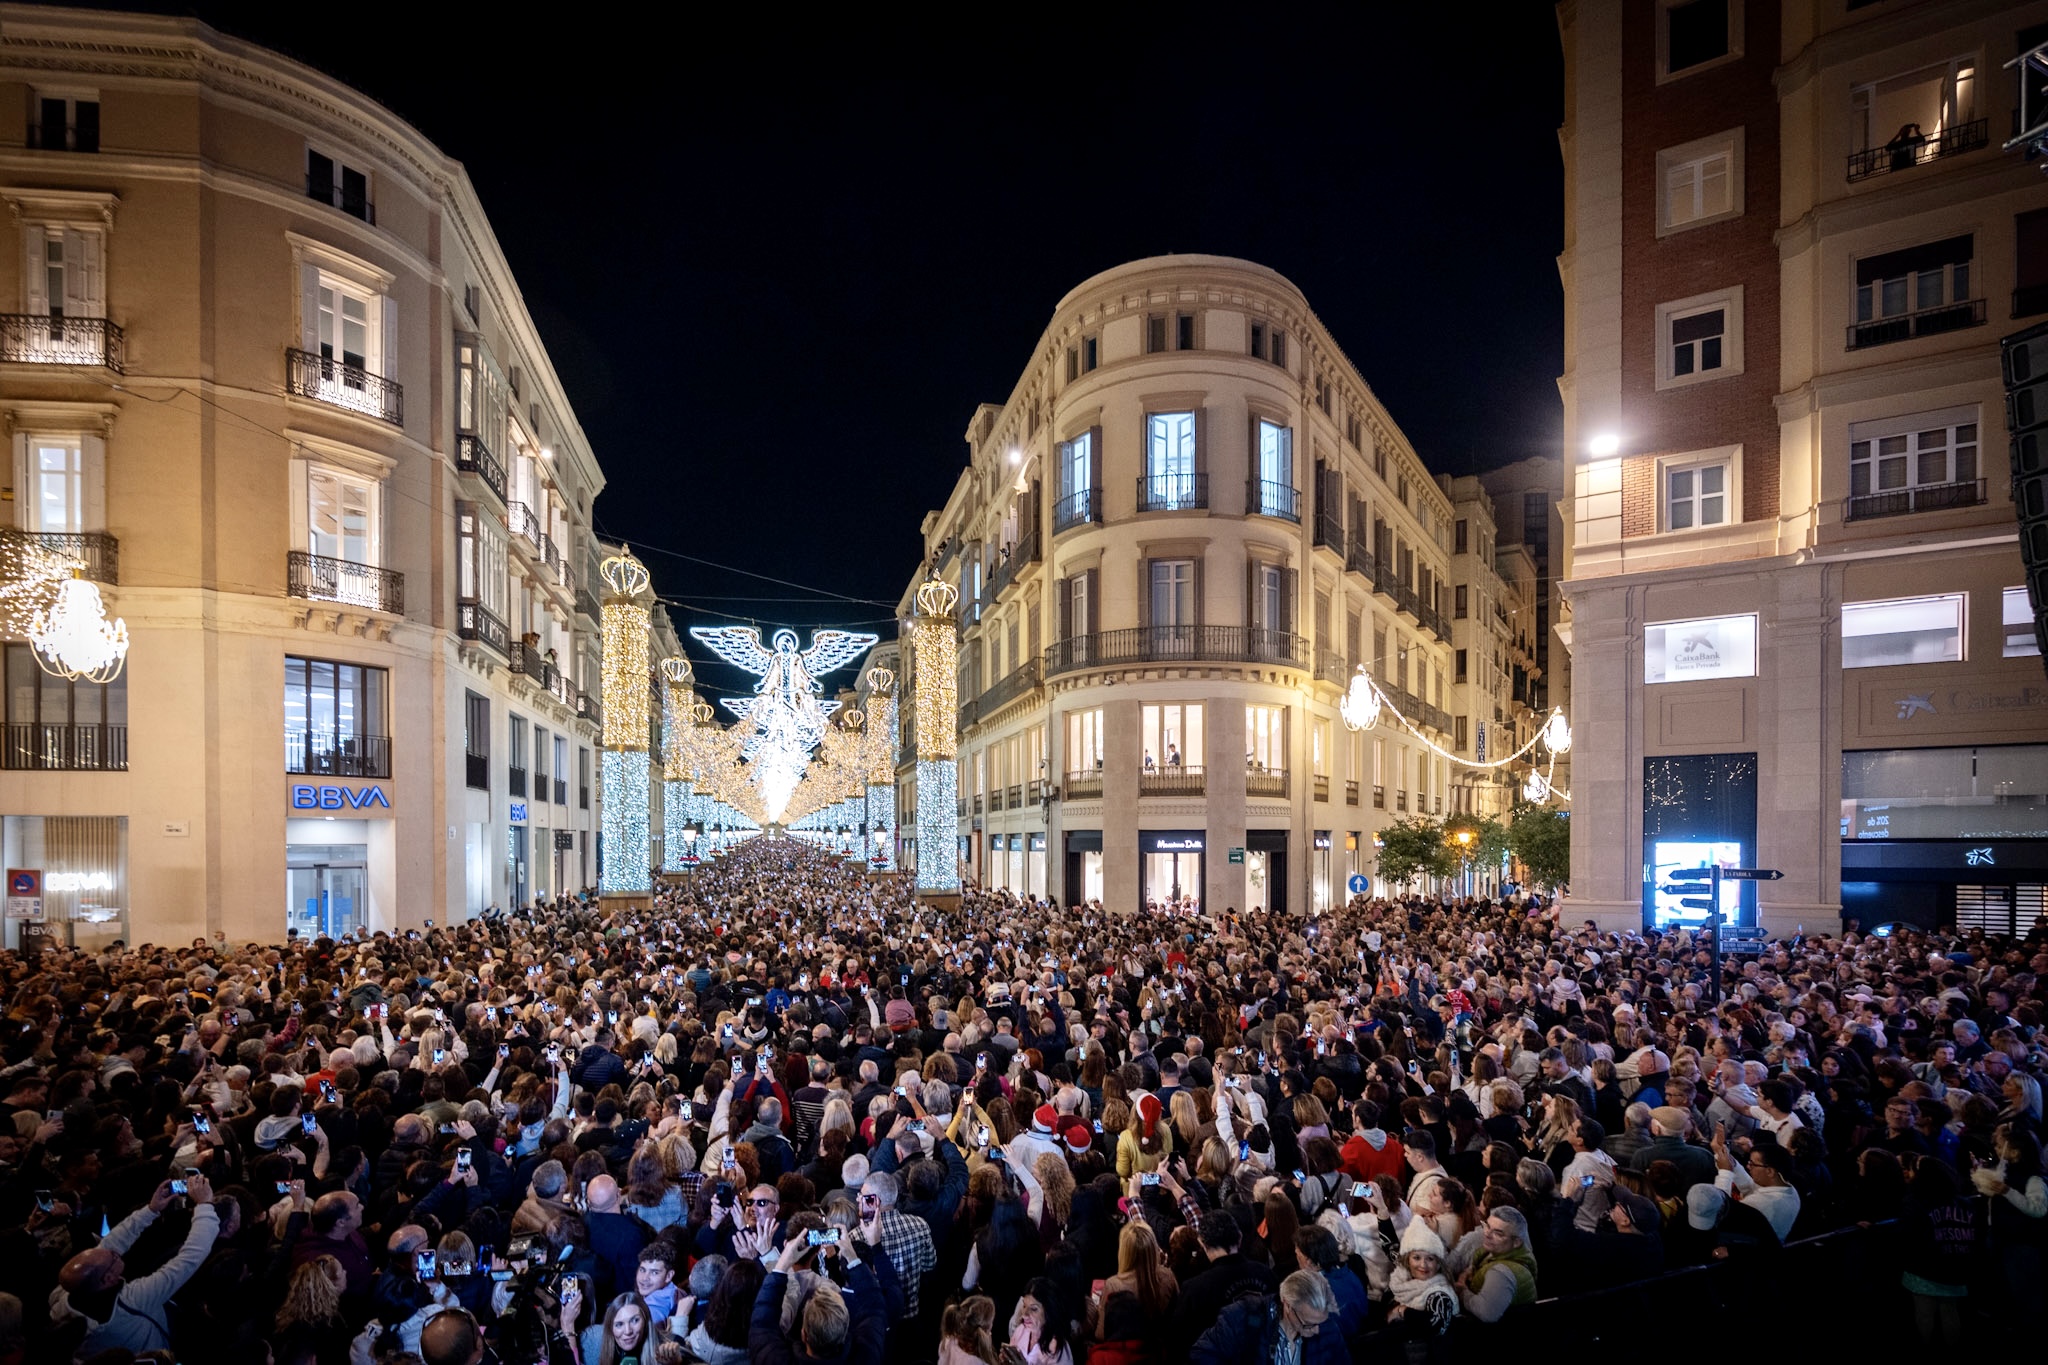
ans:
(1201, 445)
(309, 308)
(1095, 463)
(1093, 614)
(1289, 579)
(35, 272)
(93, 474)
(1254, 613)
(24, 486)
(1066, 609)
(387, 363)
(1200, 615)
(1144, 593)
(301, 534)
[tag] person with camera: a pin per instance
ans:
(845, 1326)
(119, 1314)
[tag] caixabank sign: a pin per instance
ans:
(306, 796)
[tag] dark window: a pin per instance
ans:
(1458, 610)
(583, 778)
(56, 723)
(320, 177)
(1185, 326)
(1462, 664)
(1155, 334)
(1279, 347)
(1696, 342)
(1073, 364)
(85, 126)
(66, 125)
(476, 740)
(1459, 533)
(2030, 282)
(1696, 32)
(1087, 355)
(355, 193)
(1259, 340)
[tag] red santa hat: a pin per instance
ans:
(1148, 1114)
(1043, 1119)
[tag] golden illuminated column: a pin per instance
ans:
(879, 751)
(676, 773)
(935, 714)
(622, 779)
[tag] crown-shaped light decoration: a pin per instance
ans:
(1361, 705)
(625, 575)
(700, 713)
(73, 637)
(936, 597)
(1557, 733)
(853, 718)
(676, 669)
(880, 679)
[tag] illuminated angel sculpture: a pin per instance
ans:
(786, 713)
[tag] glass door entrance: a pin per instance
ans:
(325, 889)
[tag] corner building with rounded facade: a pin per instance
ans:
(265, 371)
(1174, 541)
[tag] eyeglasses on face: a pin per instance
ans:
(764, 1203)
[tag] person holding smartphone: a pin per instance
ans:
(135, 1309)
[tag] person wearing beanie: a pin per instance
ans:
(1425, 1303)
(1147, 1143)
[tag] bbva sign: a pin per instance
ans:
(338, 798)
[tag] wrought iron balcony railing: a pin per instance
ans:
(1269, 499)
(1077, 509)
(1172, 492)
(477, 771)
(1949, 317)
(472, 456)
(1013, 685)
(1926, 497)
(586, 602)
(1350, 791)
(1358, 559)
(344, 386)
(528, 659)
(1082, 785)
(525, 525)
(36, 339)
(97, 553)
(1330, 666)
(1904, 155)
(329, 755)
(1021, 556)
(1177, 779)
(354, 202)
(318, 578)
(66, 748)
(515, 781)
(1176, 644)
(475, 621)
(588, 709)
(1330, 528)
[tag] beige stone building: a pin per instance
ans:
(1187, 524)
(1798, 637)
(266, 373)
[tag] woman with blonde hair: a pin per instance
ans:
(1187, 1134)
(965, 1332)
(310, 1329)
(1055, 1198)
(1141, 1273)
(650, 1196)
(1310, 1118)
(1146, 1142)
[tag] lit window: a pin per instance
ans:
(1903, 630)
(1265, 730)
(2018, 616)
(1690, 651)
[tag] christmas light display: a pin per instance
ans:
(622, 768)
(74, 639)
(935, 715)
(1364, 703)
(785, 720)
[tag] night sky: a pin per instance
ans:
(777, 267)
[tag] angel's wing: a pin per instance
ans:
(739, 706)
(739, 646)
(832, 649)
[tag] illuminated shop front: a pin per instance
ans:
(83, 860)
(341, 854)
(1173, 867)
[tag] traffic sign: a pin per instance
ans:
(1694, 886)
(1751, 874)
(1237, 855)
(1358, 885)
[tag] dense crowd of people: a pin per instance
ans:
(792, 1114)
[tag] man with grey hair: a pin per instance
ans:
(1503, 1273)
(1633, 1137)
(544, 1202)
(771, 1148)
(1289, 1326)
(905, 1240)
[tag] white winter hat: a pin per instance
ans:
(1420, 1236)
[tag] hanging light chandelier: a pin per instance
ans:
(73, 637)
(1557, 733)
(1361, 705)
(1536, 787)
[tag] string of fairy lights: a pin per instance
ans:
(1364, 703)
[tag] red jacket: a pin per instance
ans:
(1363, 1162)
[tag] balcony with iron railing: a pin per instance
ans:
(1330, 667)
(1173, 779)
(323, 754)
(1906, 153)
(1379, 797)
(1012, 561)
(1176, 644)
(38, 339)
(1358, 559)
(35, 746)
(515, 781)
(586, 603)
(1264, 781)
(1077, 509)
(1926, 497)
(319, 578)
(588, 709)
(977, 803)
(969, 713)
(351, 196)
(1082, 785)
(475, 621)
(1035, 790)
(97, 554)
(551, 557)
(561, 791)
(476, 770)
(1350, 791)
(528, 660)
(1016, 683)
(1322, 786)
(1266, 498)
(472, 456)
(1927, 322)
(1172, 492)
(342, 385)
(525, 526)
(1015, 795)
(1329, 527)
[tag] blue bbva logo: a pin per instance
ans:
(338, 798)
